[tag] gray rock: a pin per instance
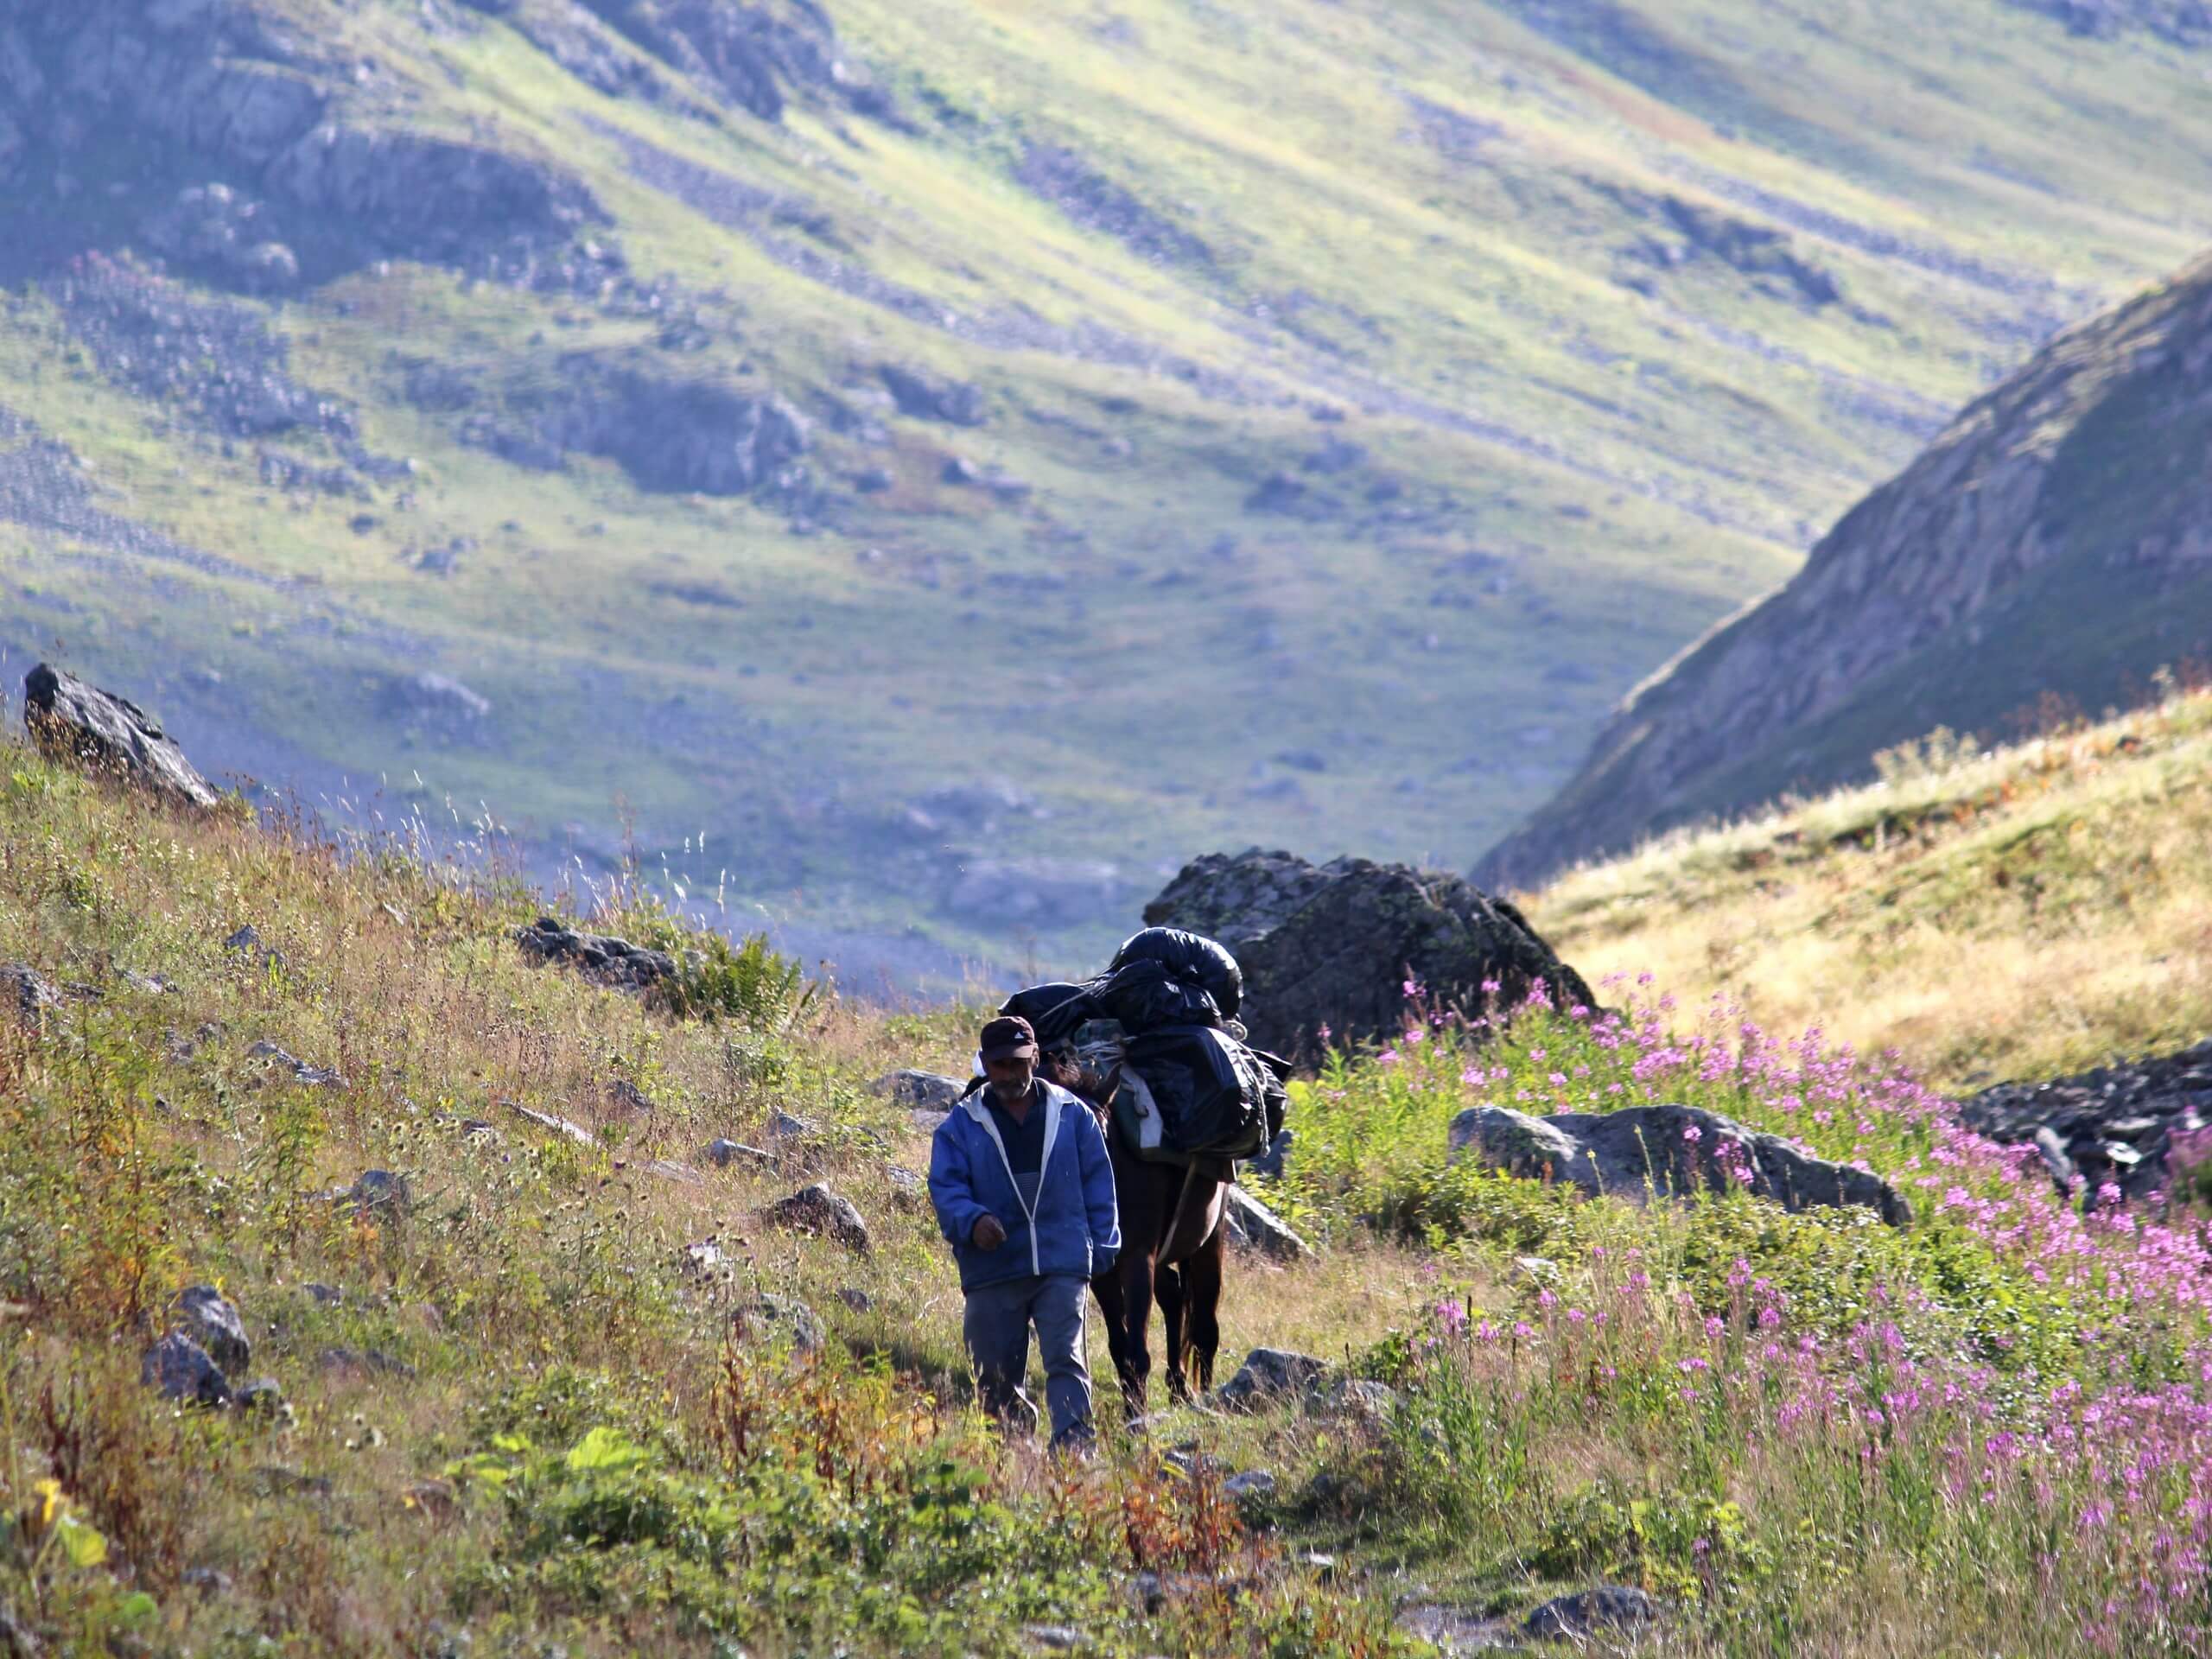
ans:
(1250, 1486)
(782, 1318)
(919, 1088)
(818, 1210)
(325, 1295)
(1359, 1398)
(181, 1369)
(73, 721)
(682, 435)
(1332, 944)
(1605, 1608)
(312, 1076)
(909, 1190)
(721, 1154)
(1666, 1152)
(436, 700)
(377, 1193)
(705, 1260)
(1054, 1638)
(214, 1322)
(925, 398)
(2112, 1123)
(598, 957)
(1269, 1374)
(1514, 1141)
(786, 1130)
(27, 993)
(264, 1396)
(856, 1299)
(1255, 1227)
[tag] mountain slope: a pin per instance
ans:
(924, 470)
(2051, 546)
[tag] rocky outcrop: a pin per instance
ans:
(926, 398)
(1643, 1151)
(678, 434)
(230, 82)
(2128, 1125)
(73, 721)
(2056, 538)
(756, 55)
(819, 1210)
(599, 958)
(1333, 945)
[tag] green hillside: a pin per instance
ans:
(1368, 397)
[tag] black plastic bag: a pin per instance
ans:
(1145, 995)
(1190, 958)
(1053, 1012)
(1212, 1090)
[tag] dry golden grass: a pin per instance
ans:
(2014, 914)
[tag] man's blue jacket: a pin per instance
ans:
(1076, 1228)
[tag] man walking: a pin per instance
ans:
(1025, 1192)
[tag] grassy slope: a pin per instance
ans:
(573, 1454)
(1635, 464)
(2021, 913)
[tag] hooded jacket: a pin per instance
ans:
(1076, 1227)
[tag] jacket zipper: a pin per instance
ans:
(981, 1113)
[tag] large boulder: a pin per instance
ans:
(2113, 1125)
(71, 720)
(1666, 1151)
(1333, 944)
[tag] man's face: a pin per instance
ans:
(1010, 1079)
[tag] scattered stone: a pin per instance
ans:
(1055, 1638)
(437, 702)
(1268, 1374)
(625, 1093)
(818, 1210)
(73, 721)
(855, 1298)
(315, 1076)
(209, 1581)
(28, 991)
(566, 1128)
(353, 1361)
(1666, 1151)
(668, 1169)
(678, 436)
(600, 958)
(721, 1154)
(377, 1191)
(705, 1260)
(263, 1395)
(1455, 1630)
(212, 1321)
(1588, 1613)
(925, 398)
(1255, 1227)
(782, 1318)
(151, 984)
(908, 1190)
(785, 1130)
(182, 1370)
(325, 1295)
(247, 941)
(924, 1090)
(1334, 944)
(1251, 1486)
(1361, 1398)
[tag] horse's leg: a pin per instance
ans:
(1202, 1276)
(1135, 1272)
(1173, 1306)
(1107, 1288)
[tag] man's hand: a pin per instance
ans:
(987, 1234)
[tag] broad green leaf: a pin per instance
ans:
(603, 1448)
(80, 1541)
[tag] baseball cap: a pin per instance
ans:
(1008, 1038)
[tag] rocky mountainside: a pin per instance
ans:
(617, 426)
(2051, 549)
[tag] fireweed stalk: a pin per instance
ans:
(2010, 1399)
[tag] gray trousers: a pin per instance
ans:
(997, 1328)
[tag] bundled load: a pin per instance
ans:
(1156, 1035)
